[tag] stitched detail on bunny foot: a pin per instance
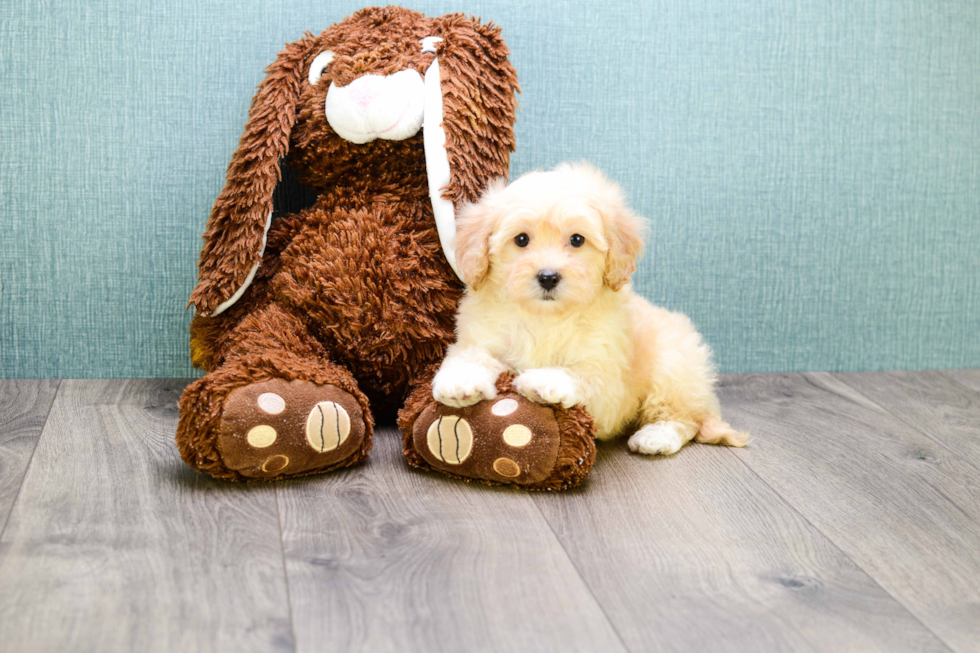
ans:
(278, 428)
(504, 440)
(450, 439)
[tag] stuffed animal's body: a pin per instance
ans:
(307, 322)
(362, 273)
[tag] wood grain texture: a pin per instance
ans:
(901, 506)
(24, 406)
(841, 527)
(387, 558)
(696, 553)
(969, 378)
(114, 545)
(933, 403)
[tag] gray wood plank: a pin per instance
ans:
(114, 545)
(969, 378)
(386, 558)
(24, 406)
(932, 402)
(696, 553)
(901, 506)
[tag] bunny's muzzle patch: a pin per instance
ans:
(390, 107)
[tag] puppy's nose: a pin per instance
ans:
(548, 279)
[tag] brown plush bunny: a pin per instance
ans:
(306, 322)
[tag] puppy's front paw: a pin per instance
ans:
(550, 385)
(462, 384)
(660, 438)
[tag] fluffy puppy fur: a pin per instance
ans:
(547, 261)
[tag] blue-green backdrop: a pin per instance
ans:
(811, 168)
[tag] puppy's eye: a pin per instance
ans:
(521, 240)
(577, 240)
(320, 64)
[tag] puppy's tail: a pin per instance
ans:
(715, 431)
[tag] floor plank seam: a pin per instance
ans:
(918, 429)
(578, 572)
(285, 570)
(27, 469)
(834, 544)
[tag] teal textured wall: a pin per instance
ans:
(812, 169)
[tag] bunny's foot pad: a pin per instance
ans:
(277, 428)
(506, 440)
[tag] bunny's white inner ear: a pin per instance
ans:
(437, 163)
(429, 44)
(251, 275)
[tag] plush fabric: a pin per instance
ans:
(267, 344)
(354, 292)
(553, 448)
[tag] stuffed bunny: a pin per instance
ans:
(307, 322)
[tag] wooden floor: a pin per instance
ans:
(852, 522)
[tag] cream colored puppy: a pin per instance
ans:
(547, 261)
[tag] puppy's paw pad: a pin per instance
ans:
(548, 386)
(661, 438)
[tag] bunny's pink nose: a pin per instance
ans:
(364, 89)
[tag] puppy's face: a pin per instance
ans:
(548, 253)
(551, 240)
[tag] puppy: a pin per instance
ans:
(547, 261)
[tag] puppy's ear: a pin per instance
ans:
(235, 235)
(625, 231)
(474, 226)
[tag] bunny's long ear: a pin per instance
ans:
(234, 239)
(469, 118)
